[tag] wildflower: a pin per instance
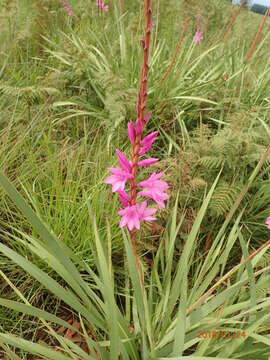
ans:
(147, 143)
(133, 213)
(102, 6)
(118, 179)
(147, 117)
(130, 217)
(138, 127)
(154, 182)
(124, 197)
(198, 36)
(147, 162)
(131, 132)
(125, 164)
(154, 189)
(145, 214)
(267, 222)
(68, 9)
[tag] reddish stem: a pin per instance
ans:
(175, 53)
(233, 20)
(142, 97)
(257, 36)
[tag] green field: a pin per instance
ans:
(68, 87)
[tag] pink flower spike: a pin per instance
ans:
(124, 197)
(130, 217)
(144, 213)
(131, 132)
(118, 179)
(267, 222)
(125, 164)
(138, 127)
(68, 9)
(148, 162)
(147, 117)
(198, 37)
(147, 143)
(106, 8)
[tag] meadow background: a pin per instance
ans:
(68, 87)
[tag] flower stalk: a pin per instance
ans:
(142, 97)
(175, 53)
(134, 212)
(227, 31)
(256, 38)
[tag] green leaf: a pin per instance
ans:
(32, 348)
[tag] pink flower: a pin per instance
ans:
(267, 222)
(118, 179)
(124, 197)
(147, 162)
(154, 182)
(147, 117)
(198, 37)
(144, 213)
(147, 143)
(68, 9)
(102, 6)
(131, 132)
(154, 189)
(130, 217)
(125, 164)
(133, 215)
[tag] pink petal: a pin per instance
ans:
(267, 222)
(143, 206)
(118, 186)
(148, 162)
(149, 182)
(147, 143)
(147, 117)
(144, 213)
(159, 198)
(106, 8)
(130, 216)
(109, 179)
(136, 223)
(149, 138)
(131, 132)
(123, 222)
(125, 164)
(138, 127)
(124, 198)
(198, 37)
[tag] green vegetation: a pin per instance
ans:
(68, 87)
